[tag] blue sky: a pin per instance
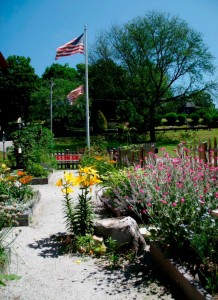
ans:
(35, 28)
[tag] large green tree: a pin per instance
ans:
(17, 83)
(166, 60)
(56, 83)
(107, 88)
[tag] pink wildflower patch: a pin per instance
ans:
(163, 201)
(174, 204)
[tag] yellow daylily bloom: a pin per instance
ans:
(67, 190)
(79, 179)
(69, 178)
(59, 182)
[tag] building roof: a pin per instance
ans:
(3, 63)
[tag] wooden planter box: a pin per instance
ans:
(43, 180)
(25, 217)
(179, 277)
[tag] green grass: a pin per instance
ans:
(168, 139)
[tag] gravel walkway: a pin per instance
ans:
(46, 274)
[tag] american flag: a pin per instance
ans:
(72, 47)
(74, 94)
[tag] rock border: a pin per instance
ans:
(25, 217)
(179, 277)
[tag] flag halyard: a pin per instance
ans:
(74, 94)
(72, 47)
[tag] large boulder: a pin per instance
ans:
(123, 230)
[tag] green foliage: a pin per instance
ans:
(112, 252)
(68, 211)
(182, 119)
(101, 121)
(5, 277)
(158, 52)
(83, 214)
(37, 170)
(98, 144)
(204, 240)
(14, 187)
(79, 217)
(36, 143)
(171, 118)
(17, 82)
(195, 118)
(171, 193)
(57, 71)
(5, 241)
(97, 156)
(100, 163)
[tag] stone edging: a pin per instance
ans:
(24, 218)
(180, 279)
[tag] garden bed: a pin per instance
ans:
(40, 180)
(25, 217)
(180, 277)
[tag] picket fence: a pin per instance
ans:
(135, 155)
(205, 150)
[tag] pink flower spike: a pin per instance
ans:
(174, 204)
(182, 200)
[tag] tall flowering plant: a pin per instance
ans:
(79, 216)
(173, 193)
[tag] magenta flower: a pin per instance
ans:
(163, 201)
(174, 204)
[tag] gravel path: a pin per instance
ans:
(46, 274)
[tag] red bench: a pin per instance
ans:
(67, 161)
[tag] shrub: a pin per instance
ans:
(195, 118)
(37, 170)
(36, 144)
(182, 119)
(171, 118)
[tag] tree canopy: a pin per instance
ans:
(60, 80)
(165, 59)
(17, 82)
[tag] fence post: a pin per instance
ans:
(204, 151)
(215, 152)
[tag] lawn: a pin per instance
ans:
(167, 139)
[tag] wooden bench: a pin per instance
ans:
(67, 161)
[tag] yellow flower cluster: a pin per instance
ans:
(86, 178)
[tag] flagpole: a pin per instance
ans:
(87, 91)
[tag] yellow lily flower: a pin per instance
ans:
(67, 190)
(69, 178)
(59, 182)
